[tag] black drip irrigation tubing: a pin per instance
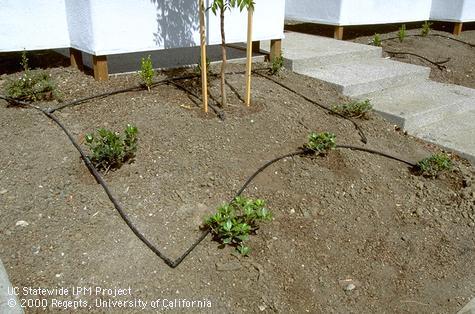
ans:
(357, 127)
(119, 91)
(372, 151)
(218, 112)
(438, 64)
(174, 263)
(234, 90)
(435, 35)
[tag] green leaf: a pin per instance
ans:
(228, 225)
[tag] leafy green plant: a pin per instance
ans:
(110, 150)
(376, 40)
(147, 72)
(402, 33)
(426, 28)
(354, 109)
(31, 85)
(321, 143)
(277, 64)
(233, 223)
(434, 164)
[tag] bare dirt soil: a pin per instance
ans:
(352, 232)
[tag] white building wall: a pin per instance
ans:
(104, 27)
(453, 10)
(360, 12)
(32, 25)
(316, 11)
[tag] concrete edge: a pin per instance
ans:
(469, 308)
(8, 303)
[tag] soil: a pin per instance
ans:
(352, 232)
(459, 69)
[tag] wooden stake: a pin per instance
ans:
(458, 28)
(338, 33)
(275, 49)
(204, 70)
(75, 56)
(250, 12)
(101, 71)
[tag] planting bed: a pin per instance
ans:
(405, 242)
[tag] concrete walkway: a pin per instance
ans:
(8, 303)
(443, 114)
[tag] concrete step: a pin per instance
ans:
(302, 51)
(421, 104)
(367, 76)
(455, 133)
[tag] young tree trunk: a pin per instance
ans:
(223, 64)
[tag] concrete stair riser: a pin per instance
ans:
(367, 76)
(304, 64)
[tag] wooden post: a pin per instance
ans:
(99, 64)
(338, 33)
(75, 56)
(458, 28)
(256, 46)
(250, 12)
(275, 49)
(204, 70)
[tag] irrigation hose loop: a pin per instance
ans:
(434, 35)
(356, 125)
(218, 112)
(174, 263)
(438, 64)
(372, 151)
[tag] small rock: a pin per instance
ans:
(21, 223)
(35, 249)
(419, 212)
(262, 308)
(350, 287)
(231, 266)
(3, 191)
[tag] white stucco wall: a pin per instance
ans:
(453, 10)
(32, 25)
(143, 25)
(104, 27)
(358, 12)
(78, 16)
(316, 11)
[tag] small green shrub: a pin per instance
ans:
(233, 223)
(198, 67)
(434, 164)
(376, 40)
(146, 72)
(426, 28)
(321, 143)
(354, 109)
(31, 85)
(402, 33)
(110, 150)
(277, 64)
